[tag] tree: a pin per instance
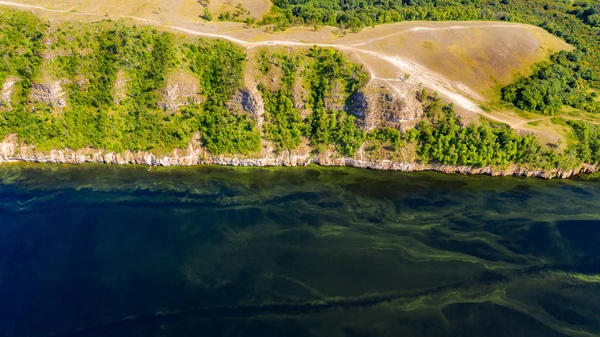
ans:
(594, 20)
(207, 15)
(250, 22)
(341, 29)
(225, 16)
(316, 25)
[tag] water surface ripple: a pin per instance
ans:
(96, 250)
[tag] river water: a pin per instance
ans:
(98, 250)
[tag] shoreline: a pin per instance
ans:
(11, 151)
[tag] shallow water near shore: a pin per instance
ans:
(99, 250)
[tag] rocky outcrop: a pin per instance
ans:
(252, 102)
(383, 108)
(120, 87)
(181, 89)
(249, 100)
(51, 54)
(359, 104)
(336, 97)
(300, 97)
(11, 150)
(49, 93)
(81, 81)
(7, 90)
(397, 110)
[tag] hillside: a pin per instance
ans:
(465, 62)
(116, 87)
(166, 11)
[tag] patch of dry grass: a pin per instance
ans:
(483, 56)
(167, 11)
(257, 8)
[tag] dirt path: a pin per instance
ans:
(429, 29)
(19, 5)
(457, 93)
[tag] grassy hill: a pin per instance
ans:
(168, 11)
(483, 56)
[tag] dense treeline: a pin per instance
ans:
(588, 12)
(323, 127)
(588, 147)
(219, 65)
(387, 136)
(445, 141)
(89, 59)
(553, 85)
(284, 125)
(327, 126)
(563, 82)
(358, 14)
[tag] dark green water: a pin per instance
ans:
(212, 251)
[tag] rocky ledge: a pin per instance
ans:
(13, 151)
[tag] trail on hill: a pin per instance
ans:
(418, 74)
(430, 29)
(456, 93)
